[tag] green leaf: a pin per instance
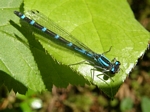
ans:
(99, 24)
(24, 64)
(145, 104)
(126, 104)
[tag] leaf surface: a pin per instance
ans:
(99, 24)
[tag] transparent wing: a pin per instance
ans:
(51, 25)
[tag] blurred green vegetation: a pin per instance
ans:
(133, 95)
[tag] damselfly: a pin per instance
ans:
(99, 60)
